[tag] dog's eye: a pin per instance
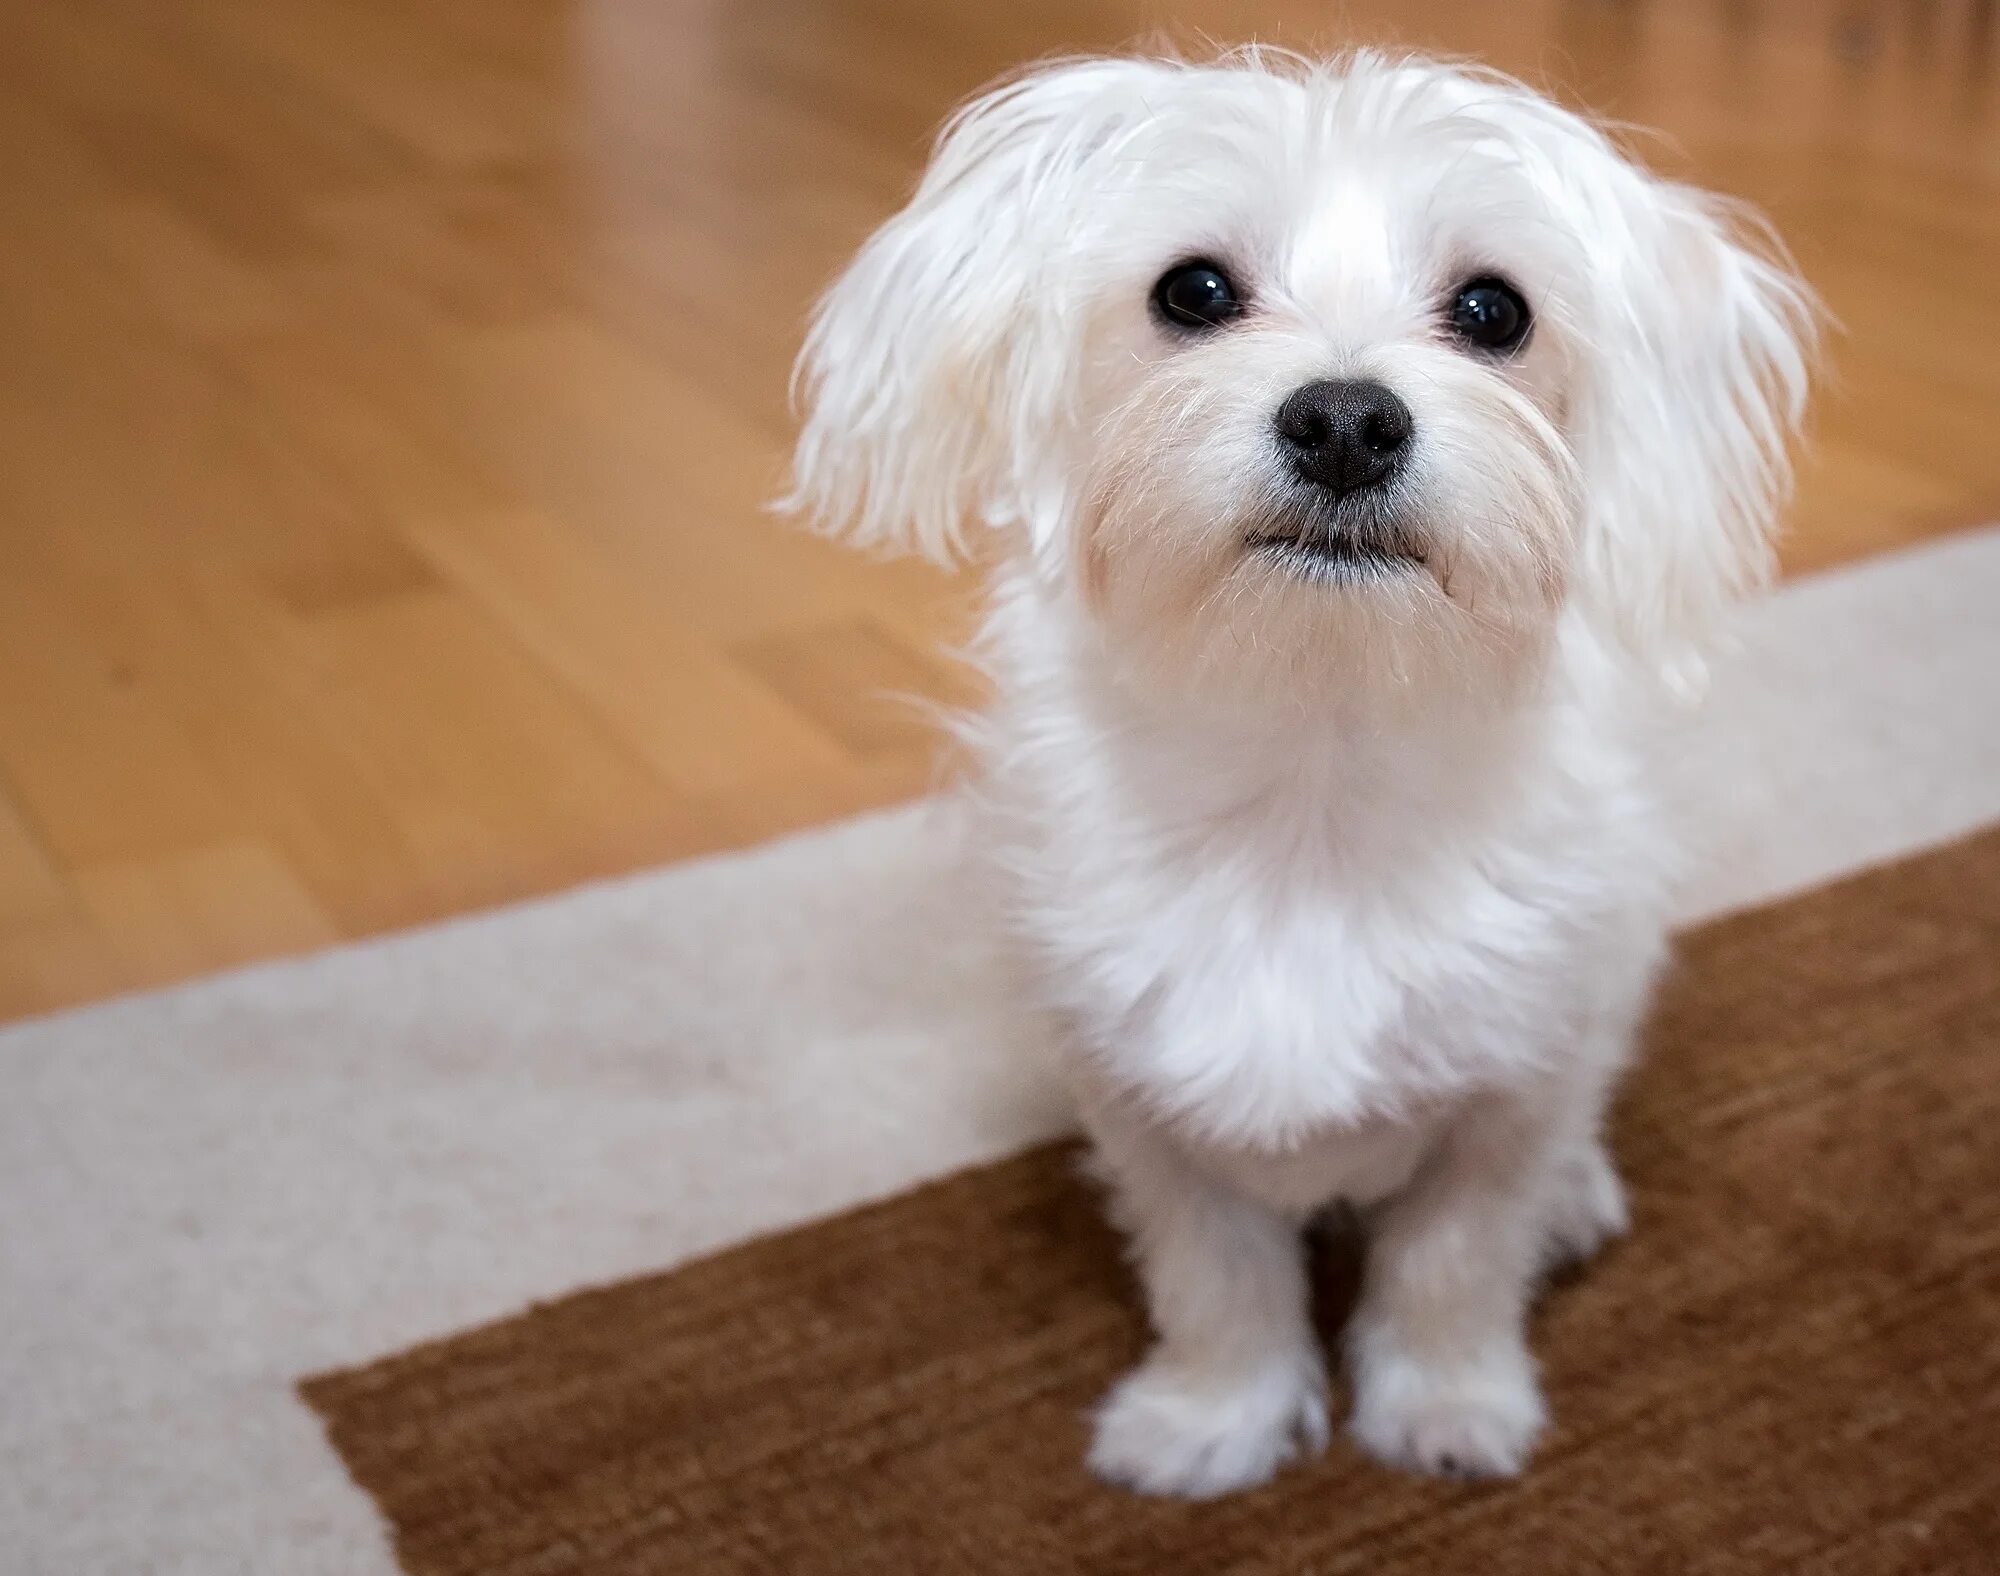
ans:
(1196, 295)
(1489, 313)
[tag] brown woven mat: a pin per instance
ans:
(1793, 1364)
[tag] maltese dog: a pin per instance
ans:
(1366, 450)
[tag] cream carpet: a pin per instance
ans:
(209, 1193)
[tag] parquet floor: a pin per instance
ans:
(388, 395)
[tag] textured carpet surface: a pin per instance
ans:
(210, 1192)
(1793, 1364)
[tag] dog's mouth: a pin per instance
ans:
(1321, 554)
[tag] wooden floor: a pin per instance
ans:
(388, 393)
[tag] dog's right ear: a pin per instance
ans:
(934, 376)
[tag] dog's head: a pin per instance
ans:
(1365, 369)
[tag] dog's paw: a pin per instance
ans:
(1474, 1419)
(1168, 1430)
(1587, 1210)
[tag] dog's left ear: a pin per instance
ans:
(1693, 388)
(933, 378)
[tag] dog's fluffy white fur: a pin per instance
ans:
(1340, 871)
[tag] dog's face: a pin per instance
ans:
(1362, 371)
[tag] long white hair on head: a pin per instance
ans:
(1691, 384)
(933, 377)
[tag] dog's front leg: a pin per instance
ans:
(1443, 1380)
(1235, 1384)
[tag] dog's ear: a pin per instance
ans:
(934, 376)
(1693, 388)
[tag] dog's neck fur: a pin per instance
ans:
(1375, 789)
(1370, 790)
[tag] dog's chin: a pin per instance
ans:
(1374, 598)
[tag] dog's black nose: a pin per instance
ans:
(1344, 434)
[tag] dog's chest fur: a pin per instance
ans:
(1350, 938)
(1256, 1009)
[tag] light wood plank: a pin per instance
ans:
(31, 885)
(167, 917)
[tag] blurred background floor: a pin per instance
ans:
(388, 393)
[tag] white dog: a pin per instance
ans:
(1369, 448)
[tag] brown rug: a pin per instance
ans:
(1793, 1364)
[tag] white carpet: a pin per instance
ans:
(210, 1192)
